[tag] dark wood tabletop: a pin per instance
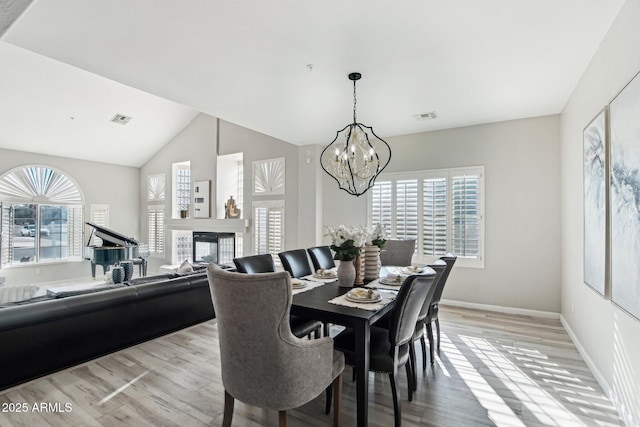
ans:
(314, 304)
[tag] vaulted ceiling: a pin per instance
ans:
(280, 67)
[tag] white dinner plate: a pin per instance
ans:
(351, 296)
(299, 284)
(325, 276)
(384, 281)
(410, 270)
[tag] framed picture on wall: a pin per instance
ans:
(595, 202)
(624, 196)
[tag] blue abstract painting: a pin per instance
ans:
(625, 198)
(594, 139)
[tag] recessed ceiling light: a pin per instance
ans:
(426, 116)
(121, 119)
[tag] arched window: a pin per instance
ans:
(40, 216)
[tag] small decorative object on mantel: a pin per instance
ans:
(375, 243)
(231, 211)
(346, 242)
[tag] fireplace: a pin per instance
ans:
(214, 247)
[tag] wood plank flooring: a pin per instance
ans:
(493, 370)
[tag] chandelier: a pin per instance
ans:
(357, 155)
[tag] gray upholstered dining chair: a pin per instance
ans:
(252, 311)
(263, 263)
(398, 252)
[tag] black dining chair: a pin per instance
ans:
(296, 262)
(300, 327)
(439, 267)
(389, 348)
(255, 264)
(432, 314)
(321, 258)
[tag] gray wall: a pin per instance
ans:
(607, 336)
(257, 146)
(522, 206)
(100, 183)
(195, 143)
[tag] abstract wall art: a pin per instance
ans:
(595, 148)
(624, 114)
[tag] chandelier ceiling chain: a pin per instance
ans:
(357, 155)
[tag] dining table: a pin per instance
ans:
(314, 304)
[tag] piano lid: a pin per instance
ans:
(112, 238)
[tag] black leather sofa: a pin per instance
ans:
(42, 337)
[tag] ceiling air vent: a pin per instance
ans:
(426, 116)
(121, 119)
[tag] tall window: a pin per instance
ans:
(268, 220)
(41, 217)
(155, 222)
(181, 188)
(442, 209)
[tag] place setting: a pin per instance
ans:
(322, 276)
(367, 299)
(302, 285)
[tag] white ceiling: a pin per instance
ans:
(247, 62)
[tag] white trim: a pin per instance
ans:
(606, 387)
(502, 309)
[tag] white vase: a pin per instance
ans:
(371, 262)
(346, 273)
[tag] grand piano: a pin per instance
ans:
(115, 248)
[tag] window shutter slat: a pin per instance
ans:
(466, 225)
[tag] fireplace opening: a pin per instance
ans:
(214, 247)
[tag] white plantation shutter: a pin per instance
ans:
(6, 228)
(465, 215)
(434, 216)
(155, 220)
(406, 209)
(99, 215)
(381, 204)
(442, 209)
(75, 226)
(268, 233)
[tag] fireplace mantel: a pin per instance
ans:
(219, 225)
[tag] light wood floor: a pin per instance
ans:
(494, 369)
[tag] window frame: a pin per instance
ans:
(269, 205)
(420, 176)
(43, 187)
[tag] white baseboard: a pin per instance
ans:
(502, 309)
(606, 387)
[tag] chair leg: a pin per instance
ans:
(327, 404)
(316, 333)
(413, 379)
(282, 419)
(337, 397)
(438, 328)
(407, 367)
(228, 410)
(423, 344)
(430, 337)
(396, 402)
